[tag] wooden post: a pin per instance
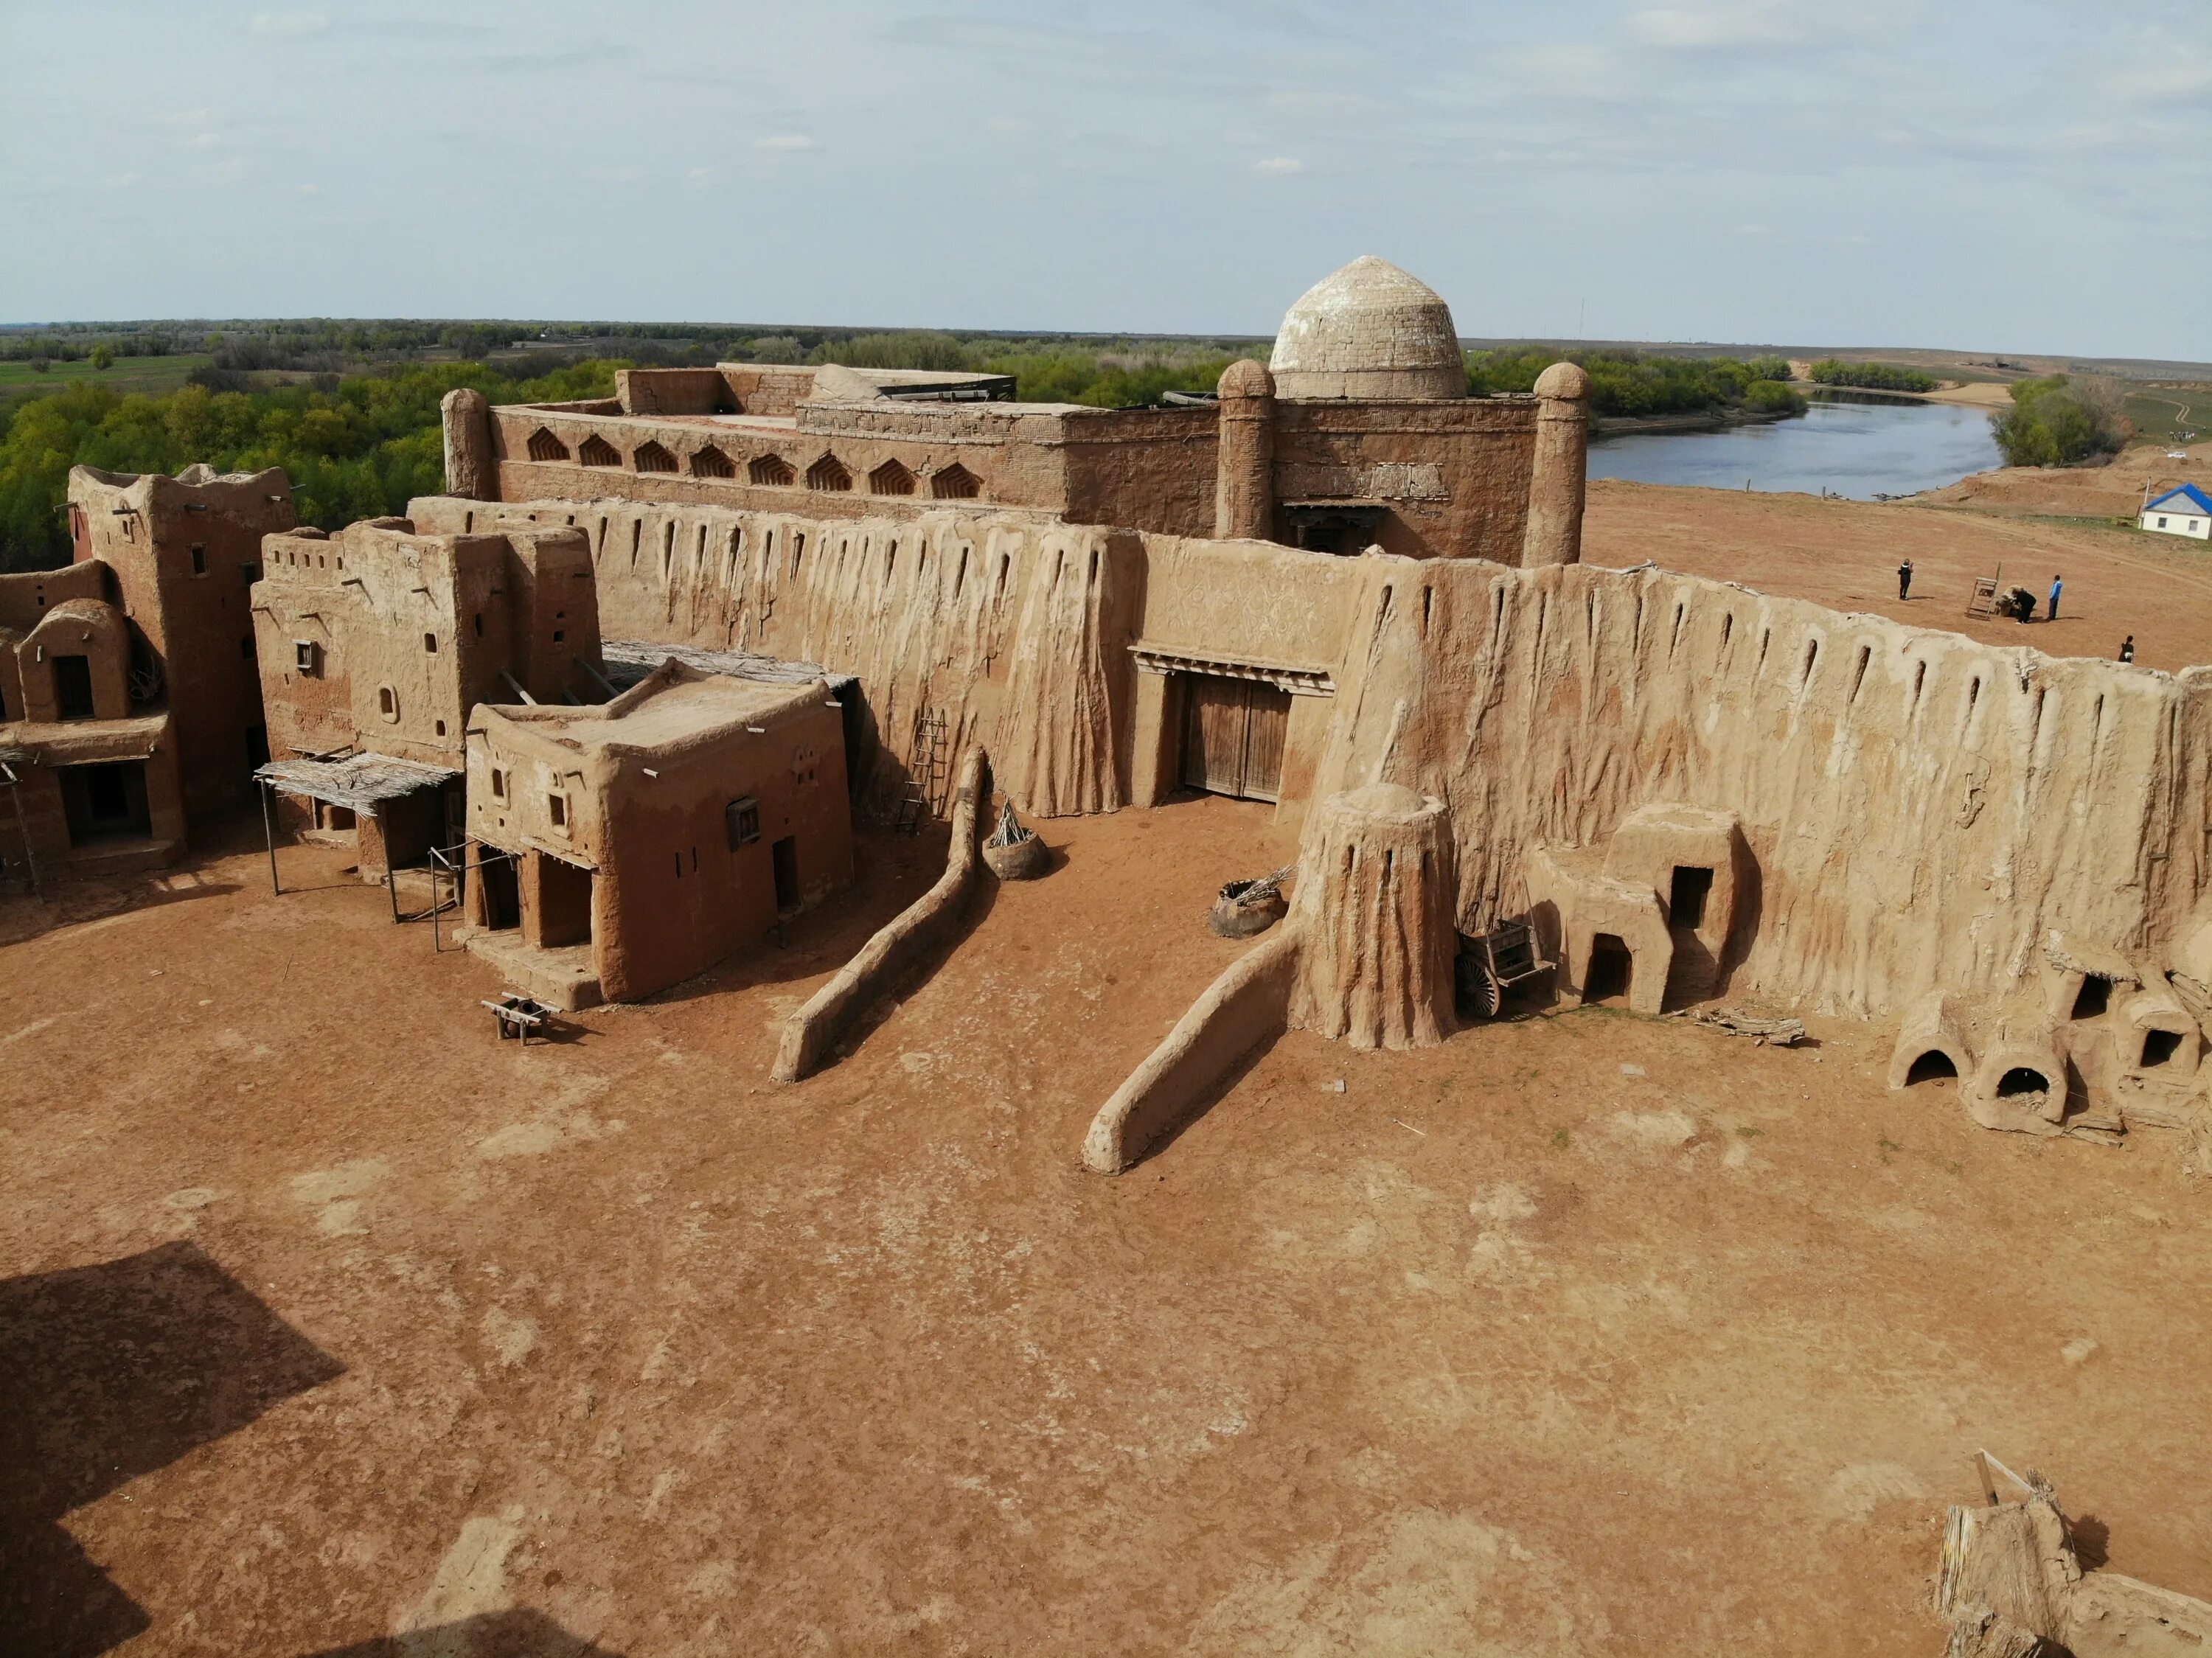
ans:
(23, 828)
(268, 831)
(1981, 1461)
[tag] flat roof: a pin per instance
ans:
(674, 706)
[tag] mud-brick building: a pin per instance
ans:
(89, 774)
(377, 642)
(180, 557)
(128, 694)
(616, 850)
(1359, 432)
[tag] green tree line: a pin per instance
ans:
(1629, 383)
(358, 451)
(1873, 376)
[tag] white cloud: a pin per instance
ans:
(2176, 77)
(1278, 167)
(700, 175)
(286, 25)
(1726, 24)
(786, 141)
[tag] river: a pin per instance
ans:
(1860, 449)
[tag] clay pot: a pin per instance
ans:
(1021, 860)
(1233, 919)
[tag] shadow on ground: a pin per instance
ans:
(519, 1634)
(107, 1373)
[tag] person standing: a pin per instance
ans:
(2057, 582)
(1904, 580)
(2128, 648)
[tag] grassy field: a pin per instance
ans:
(155, 375)
(2171, 413)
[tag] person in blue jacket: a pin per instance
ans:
(2057, 582)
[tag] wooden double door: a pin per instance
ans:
(1232, 736)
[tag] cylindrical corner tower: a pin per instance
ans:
(1244, 469)
(471, 472)
(1554, 535)
(1377, 900)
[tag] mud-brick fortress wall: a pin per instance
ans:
(1012, 626)
(1924, 809)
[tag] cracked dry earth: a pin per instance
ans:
(332, 1325)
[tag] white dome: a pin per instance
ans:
(1369, 331)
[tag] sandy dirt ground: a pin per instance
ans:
(1846, 553)
(1973, 394)
(2115, 490)
(330, 1324)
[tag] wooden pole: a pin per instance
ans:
(23, 828)
(269, 832)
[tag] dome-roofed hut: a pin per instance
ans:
(1369, 331)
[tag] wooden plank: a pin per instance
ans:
(1266, 726)
(1192, 774)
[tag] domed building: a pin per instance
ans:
(1359, 432)
(1369, 331)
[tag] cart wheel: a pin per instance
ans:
(1479, 997)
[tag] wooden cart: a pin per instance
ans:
(1492, 961)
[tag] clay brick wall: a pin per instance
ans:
(671, 896)
(675, 392)
(25, 597)
(1889, 780)
(185, 555)
(1454, 474)
(411, 631)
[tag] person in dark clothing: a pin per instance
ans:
(2057, 583)
(1904, 580)
(2128, 648)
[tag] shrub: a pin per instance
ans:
(2057, 421)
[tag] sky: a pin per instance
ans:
(1999, 175)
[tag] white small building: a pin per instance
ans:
(2184, 512)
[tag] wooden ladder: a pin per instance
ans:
(925, 772)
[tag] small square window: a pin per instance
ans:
(245, 648)
(430, 644)
(249, 573)
(306, 656)
(498, 783)
(200, 558)
(556, 808)
(744, 822)
(559, 636)
(441, 727)
(479, 620)
(387, 701)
